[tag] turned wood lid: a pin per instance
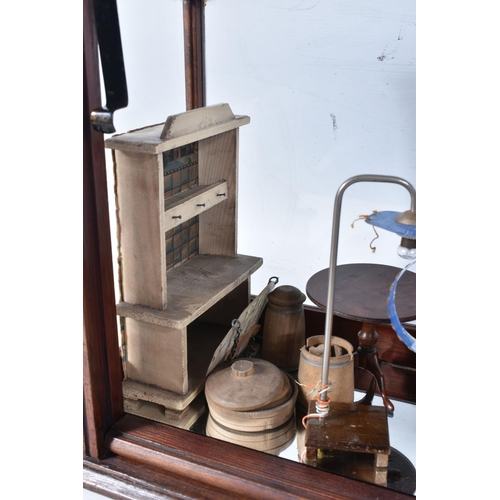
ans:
(247, 385)
(286, 295)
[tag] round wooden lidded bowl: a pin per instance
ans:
(250, 395)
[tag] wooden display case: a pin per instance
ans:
(126, 456)
(181, 278)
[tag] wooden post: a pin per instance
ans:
(103, 400)
(194, 53)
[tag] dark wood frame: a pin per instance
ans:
(129, 457)
(194, 53)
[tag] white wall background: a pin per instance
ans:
(330, 90)
(153, 50)
(290, 65)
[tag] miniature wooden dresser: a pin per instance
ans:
(181, 278)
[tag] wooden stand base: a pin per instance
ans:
(183, 419)
(368, 359)
(348, 431)
(136, 393)
(272, 441)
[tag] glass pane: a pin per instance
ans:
(330, 92)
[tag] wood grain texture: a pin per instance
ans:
(183, 418)
(103, 403)
(284, 328)
(233, 469)
(256, 420)
(148, 140)
(398, 363)
(218, 160)
(121, 479)
(157, 355)
(272, 441)
(164, 462)
(194, 287)
(192, 202)
(194, 53)
(141, 238)
(230, 308)
(188, 365)
(349, 427)
(195, 119)
(245, 385)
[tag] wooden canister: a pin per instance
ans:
(340, 371)
(284, 327)
(250, 395)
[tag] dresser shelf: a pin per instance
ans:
(193, 288)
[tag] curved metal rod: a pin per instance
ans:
(333, 256)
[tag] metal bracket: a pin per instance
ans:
(113, 67)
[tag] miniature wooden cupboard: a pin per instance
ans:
(181, 278)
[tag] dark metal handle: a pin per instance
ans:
(113, 67)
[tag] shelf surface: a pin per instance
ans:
(193, 288)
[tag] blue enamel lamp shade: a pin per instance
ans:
(391, 221)
(388, 220)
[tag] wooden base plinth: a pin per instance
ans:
(135, 393)
(350, 436)
(356, 465)
(163, 406)
(272, 441)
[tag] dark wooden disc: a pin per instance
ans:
(361, 292)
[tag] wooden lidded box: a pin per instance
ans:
(181, 278)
